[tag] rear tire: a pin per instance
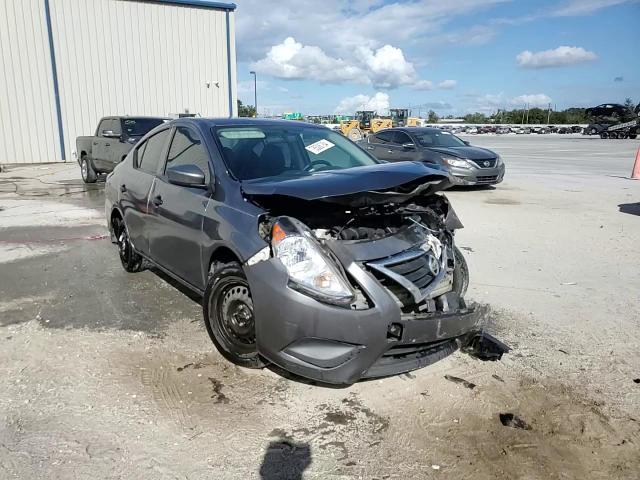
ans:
(86, 170)
(228, 315)
(604, 135)
(460, 273)
(131, 261)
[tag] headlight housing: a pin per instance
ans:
(456, 162)
(498, 160)
(310, 269)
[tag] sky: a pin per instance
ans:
(454, 57)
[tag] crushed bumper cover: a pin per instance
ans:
(337, 345)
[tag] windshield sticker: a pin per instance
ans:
(319, 146)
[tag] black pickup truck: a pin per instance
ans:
(114, 137)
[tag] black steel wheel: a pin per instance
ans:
(228, 315)
(131, 261)
(86, 170)
(460, 273)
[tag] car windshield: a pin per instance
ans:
(438, 139)
(137, 127)
(252, 152)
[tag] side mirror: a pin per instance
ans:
(110, 134)
(466, 142)
(186, 176)
(408, 146)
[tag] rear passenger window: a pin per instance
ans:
(187, 149)
(150, 154)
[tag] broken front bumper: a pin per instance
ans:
(339, 345)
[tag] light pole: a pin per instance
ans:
(255, 91)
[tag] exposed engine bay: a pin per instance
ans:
(407, 247)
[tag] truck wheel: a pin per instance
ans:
(633, 136)
(593, 131)
(87, 171)
(131, 261)
(604, 135)
(355, 135)
(460, 273)
(228, 315)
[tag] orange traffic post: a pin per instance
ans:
(635, 173)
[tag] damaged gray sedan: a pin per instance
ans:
(307, 252)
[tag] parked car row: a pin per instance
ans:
(503, 129)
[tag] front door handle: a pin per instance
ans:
(369, 148)
(123, 188)
(389, 151)
(107, 145)
(157, 200)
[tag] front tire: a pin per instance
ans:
(228, 315)
(131, 261)
(460, 273)
(86, 170)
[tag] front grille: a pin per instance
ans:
(486, 162)
(416, 270)
(486, 178)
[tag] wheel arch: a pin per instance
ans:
(223, 254)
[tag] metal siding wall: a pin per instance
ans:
(28, 122)
(118, 57)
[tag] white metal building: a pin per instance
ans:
(67, 63)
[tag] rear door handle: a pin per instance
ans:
(107, 144)
(389, 151)
(157, 200)
(123, 188)
(369, 148)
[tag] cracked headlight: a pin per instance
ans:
(310, 270)
(456, 162)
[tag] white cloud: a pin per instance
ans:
(490, 102)
(532, 100)
(378, 102)
(422, 85)
(557, 57)
(585, 7)
(340, 29)
(385, 67)
(292, 60)
(448, 84)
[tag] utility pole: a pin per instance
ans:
(523, 112)
(255, 91)
(548, 114)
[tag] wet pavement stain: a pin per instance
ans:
(218, 396)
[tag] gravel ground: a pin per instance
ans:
(105, 374)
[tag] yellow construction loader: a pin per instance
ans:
(400, 118)
(365, 122)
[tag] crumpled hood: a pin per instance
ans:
(359, 186)
(472, 153)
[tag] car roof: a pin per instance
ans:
(416, 129)
(246, 122)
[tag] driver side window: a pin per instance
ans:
(400, 138)
(187, 149)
